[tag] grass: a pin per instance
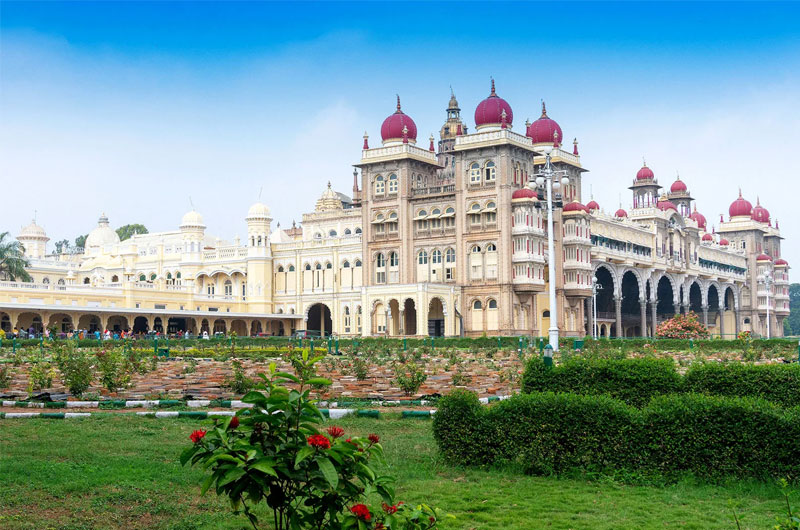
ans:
(122, 472)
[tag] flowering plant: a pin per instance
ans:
(682, 327)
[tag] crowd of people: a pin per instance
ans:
(32, 333)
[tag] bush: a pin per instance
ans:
(76, 370)
(5, 376)
(682, 327)
(547, 433)
(634, 381)
(40, 376)
(115, 371)
(778, 383)
(409, 377)
(238, 383)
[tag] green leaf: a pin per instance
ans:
(265, 465)
(231, 475)
(187, 454)
(302, 454)
(365, 470)
(207, 483)
(254, 397)
(329, 472)
(288, 376)
(319, 381)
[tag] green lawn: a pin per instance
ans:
(123, 472)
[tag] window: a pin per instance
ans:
(450, 255)
(436, 256)
(308, 266)
(228, 288)
(449, 217)
(358, 230)
(328, 265)
(380, 185)
(475, 173)
(394, 259)
(380, 271)
(332, 233)
(380, 260)
(491, 247)
(476, 249)
(153, 277)
(46, 281)
(142, 278)
(490, 172)
(392, 183)
(61, 282)
(346, 264)
(492, 304)
(475, 213)
(291, 268)
(318, 266)
(422, 257)
(317, 236)
(347, 231)
(280, 268)
(358, 263)
(477, 304)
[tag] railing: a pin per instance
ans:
(504, 134)
(392, 150)
(433, 190)
(225, 253)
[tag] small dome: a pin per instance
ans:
(645, 173)
(192, 219)
(763, 257)
(760, 213)
(523, 193)
(724, 242)
(399, 127)
(621, 213)
(544, 130)
(592, 205)
(575, 206)
(32, 231)
(780, 262)
(667, 205)
(678, 186)
(258, 211)
(103, 235)
(707, 237)
(698, 218)
(741, 207)
(489, 112)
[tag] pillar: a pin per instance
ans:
(677, 308)
(653, 318)
(104, 322)
(401, 323)
(618, 309)
(590, 319)
(705, 315)
(643, 326)
(721, 324)
(737, 322)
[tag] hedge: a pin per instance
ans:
(637, 381)
(549, 433)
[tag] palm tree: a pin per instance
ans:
(12, 260)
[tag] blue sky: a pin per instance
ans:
(132, 108)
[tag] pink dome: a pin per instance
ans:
(763, 257)
(740, 207)
(392, 128)
(678, 186)
(666, 205)
(523, 193)
(490, 111)
(621, 213)
(724, 242)
(707, 237)
(760, 213)
(575, 206)
(592, 205)
(780, 262)
(698, 218)
(645, 173)
(544, 130)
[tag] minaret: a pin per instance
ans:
(453, 127)
(645, 188)
(356, 191)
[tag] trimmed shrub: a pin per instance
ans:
(547, 433)
(634, 381)
(778, 383)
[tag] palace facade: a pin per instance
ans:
(448, 239)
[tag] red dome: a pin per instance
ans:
(575, 206)
(678, 186)
(621, 213)
(490, 111)
(666, 205)
(645, 173)
(544, 130)
(740, 207)
(760, 213)
(698, 218)
(724, 242)
(763, 257)
(592, 205)
(707, 237)
(392, 128)
(523, 193)
(781, 262)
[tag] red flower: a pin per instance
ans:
(374, 438)
(196, 436)
(335, 431)
(362, 512)
(389, 509)
(234, 422)
(432, 519)
(319, 441)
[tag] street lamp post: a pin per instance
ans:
(768, 281)
(547, 178)
(596, 286)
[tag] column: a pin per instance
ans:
(653, 318)
(643, 326)
(721, 324)
(401, 323)
(677, 308)
(705, 315)
(618, 309)
(738, 322)
(590, 317)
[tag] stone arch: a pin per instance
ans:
(89, 322)
(611, 271)
(437, 313)
(410, 316)
(640, 281)
(696, 297)
(61, 321)
(117, 323)
(140, 325)
(734, 295)
(319, 317)
(394, 323)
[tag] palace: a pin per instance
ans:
(445, 240)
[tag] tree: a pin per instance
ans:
(127, 231)
(80, 241)
(791, 326)
(12, 260)
(62, 246)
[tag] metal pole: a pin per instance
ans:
(768, 282)
(551, 254)
(594, 308)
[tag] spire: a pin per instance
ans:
(355, 181)
(575, 147)
(493, 93)
(366, 141)
(399, 111)
(544, 110)
(329, 184)
(431, 147)
(758, 201)
(644, 162)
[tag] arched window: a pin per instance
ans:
(61, 282)
(393, 216)
(380, 185)
(394, 260)
(169, 275)
(436, 256)
(332, 233)
(228, 288)
(178, 276)
(153, 277)
(308, 266)
(346, 264)
(492, 304)
(475, 249)
(490, 171)
(280, 268)
(380, 260)
(46, 281)
(291, 268)
(317, 236)
(491, 247)
(318, 266)
(358, 263)
(328, 265)
(475, 173)
(114, 279)
(477, 304)
(422, 257)
(392, 183)
(450, 255)
(347, 231)
(142, 278)
(358, 230)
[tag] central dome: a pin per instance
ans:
(399, 127)
(645, 173)
(741, 207)
(102, 235)
(258, 211)
(490, 112)
(678, 186)
(192, 219)
(544, 130)
(32, 231)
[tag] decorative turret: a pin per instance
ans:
(645, 188)
(34, 240)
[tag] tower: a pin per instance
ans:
(645, 188)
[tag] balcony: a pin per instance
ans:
(433, 190)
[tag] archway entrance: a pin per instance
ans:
(410, 317)
(394, 321)
(117, 323)
(631, 307)
(140, 325)
(319, 319)
(666, 298)
(436, 318)
(90, 323)
(695, 299)
(61, 321)
(605, 303)
(174, 325)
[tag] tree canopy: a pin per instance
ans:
(127, 231)
(12, 259)
(791, 325)
(80, 241)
